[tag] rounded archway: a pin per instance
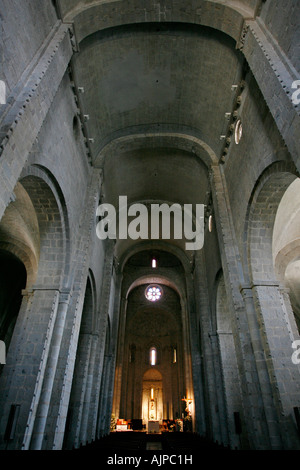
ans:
(153, 332)
(267, 197)
(152, 340)
(152, 398)
(266, 239)
(286, 245)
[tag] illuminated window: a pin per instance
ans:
(174, 356)
(238, 132)
(154, 263)
(153, 293)
(153, 356)
(210, 223)
(152, 393)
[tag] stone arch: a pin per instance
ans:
(174, 281)
(152, 374)
(212, 15)
(186, 142)
(152, 394)
(156, 346)
(286, 245)
(51, 213)
(150, 245)
(19, 257)
(19, 232)
(260, 220)
(267, 300)
(31, 241)
(154, 279)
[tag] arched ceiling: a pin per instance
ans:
(150, 174)
(157, 81)
(148, 78)
(89, 16)
(138, 271)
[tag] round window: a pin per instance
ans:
(153, 293)
(238, 132)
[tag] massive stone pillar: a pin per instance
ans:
(111, 307)
(65, 368)
(252, 414)
(22, 378)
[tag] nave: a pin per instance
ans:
(169, 443)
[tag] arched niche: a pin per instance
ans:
(152, 398)
(263, 207)
(31, 248)
(286, 245)
(20, 232)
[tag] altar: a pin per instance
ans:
(153, 426)
(121, 427)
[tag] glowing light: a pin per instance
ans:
(153, 356)
(174, 356)
(238, 132)
(153, 293)
(210, 223)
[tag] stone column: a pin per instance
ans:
(111, 358)
(65, 370)
(86, 431)
(119, 360)
(81, 377)
(44, 401)
(230, 386)
(204, 370)
(108, 300)
(253, 413)
(277, 338)
(218, 412)
(25, 370)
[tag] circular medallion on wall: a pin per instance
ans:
(153, 293)
(238, 132)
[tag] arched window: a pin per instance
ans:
(174, 355)
(153, 356)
